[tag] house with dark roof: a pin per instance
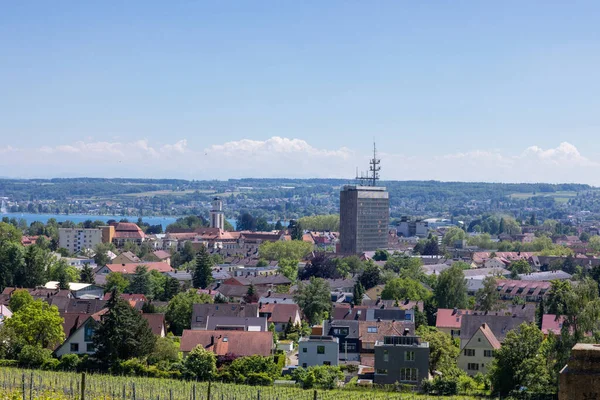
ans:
(449, 320)
(500, 325)
(477, 352)
(202, 312)
(280, 314)
(251, 324)
(276, 298)
(240, 343)
(530, 291)
(79, 331)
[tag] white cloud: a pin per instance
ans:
(289, 157)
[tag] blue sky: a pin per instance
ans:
(496, 91)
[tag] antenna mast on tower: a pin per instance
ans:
(371, 177)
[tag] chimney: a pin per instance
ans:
(406, 331)
(212, 341)
(454, 311)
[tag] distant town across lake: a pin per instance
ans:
(77, 218)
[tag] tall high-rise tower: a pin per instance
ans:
(364, 213)
(217, 216)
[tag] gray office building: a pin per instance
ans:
(364, 219)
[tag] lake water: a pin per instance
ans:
(76, 218)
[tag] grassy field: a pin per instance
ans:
(559, 197)
(16, 384)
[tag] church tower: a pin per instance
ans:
(217, 216)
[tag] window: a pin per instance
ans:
(320, 349)
(469, 352)
(349, 346)
(303, 365)
(88, 332)
(408, 317)
(473, 367)
(409, 374)
(386, 355)
(304, 349)
(326, 362)
(488, 353)
(75, 347)
(479, 339)
(372, 329)
(409, 356)
(382, 371)
(89, 347)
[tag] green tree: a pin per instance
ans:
(520, 267)
(166, 350)
(122, 333)
(594, 243)
(451, 288)
(11, 260)
(381, 255)
(487, 297)
(521, 363)
(33, 271)
(371, 276)
(321, 223)
(61, 271)
(453, 235)
(289, 268)
(201, 364)
(314, 299)
(443, 350)
(101, 254)
(116, 280)
(9, 233)
(170, 289)
(179, 310)
(296, 230)
(251, 295)
(19, 299)
(86, 275)
(140, 283)
(279, 250)
(404, 288)
(357, 294)
(243, 367)
(37, 323)
(202, 274)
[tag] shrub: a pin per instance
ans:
(51, 364)
(259, 379)
(200, 364)
(69, 362)
(34, 356)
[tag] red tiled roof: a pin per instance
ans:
(552, 324)
(481, 256)
(72, 321)
(129, 268)
(128, 230)
(449, 318)
(241, 343)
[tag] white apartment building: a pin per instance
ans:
(78, 239)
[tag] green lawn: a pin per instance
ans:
(559, 197)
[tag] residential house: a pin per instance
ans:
(80, 290)
(129, 268)
(269, 281)
(500, 325)
(251, 324)
(318, 350)
(126, 257)
(276, 298)
(530, 291)
(480, 257)
(371, 313)
(240, 343)
(236, 293)
(347, 333)
(160, 255)
(79, 330)
(280, 314)
(202, 312)
(401, 359)
(546, 276)
(478, 351)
